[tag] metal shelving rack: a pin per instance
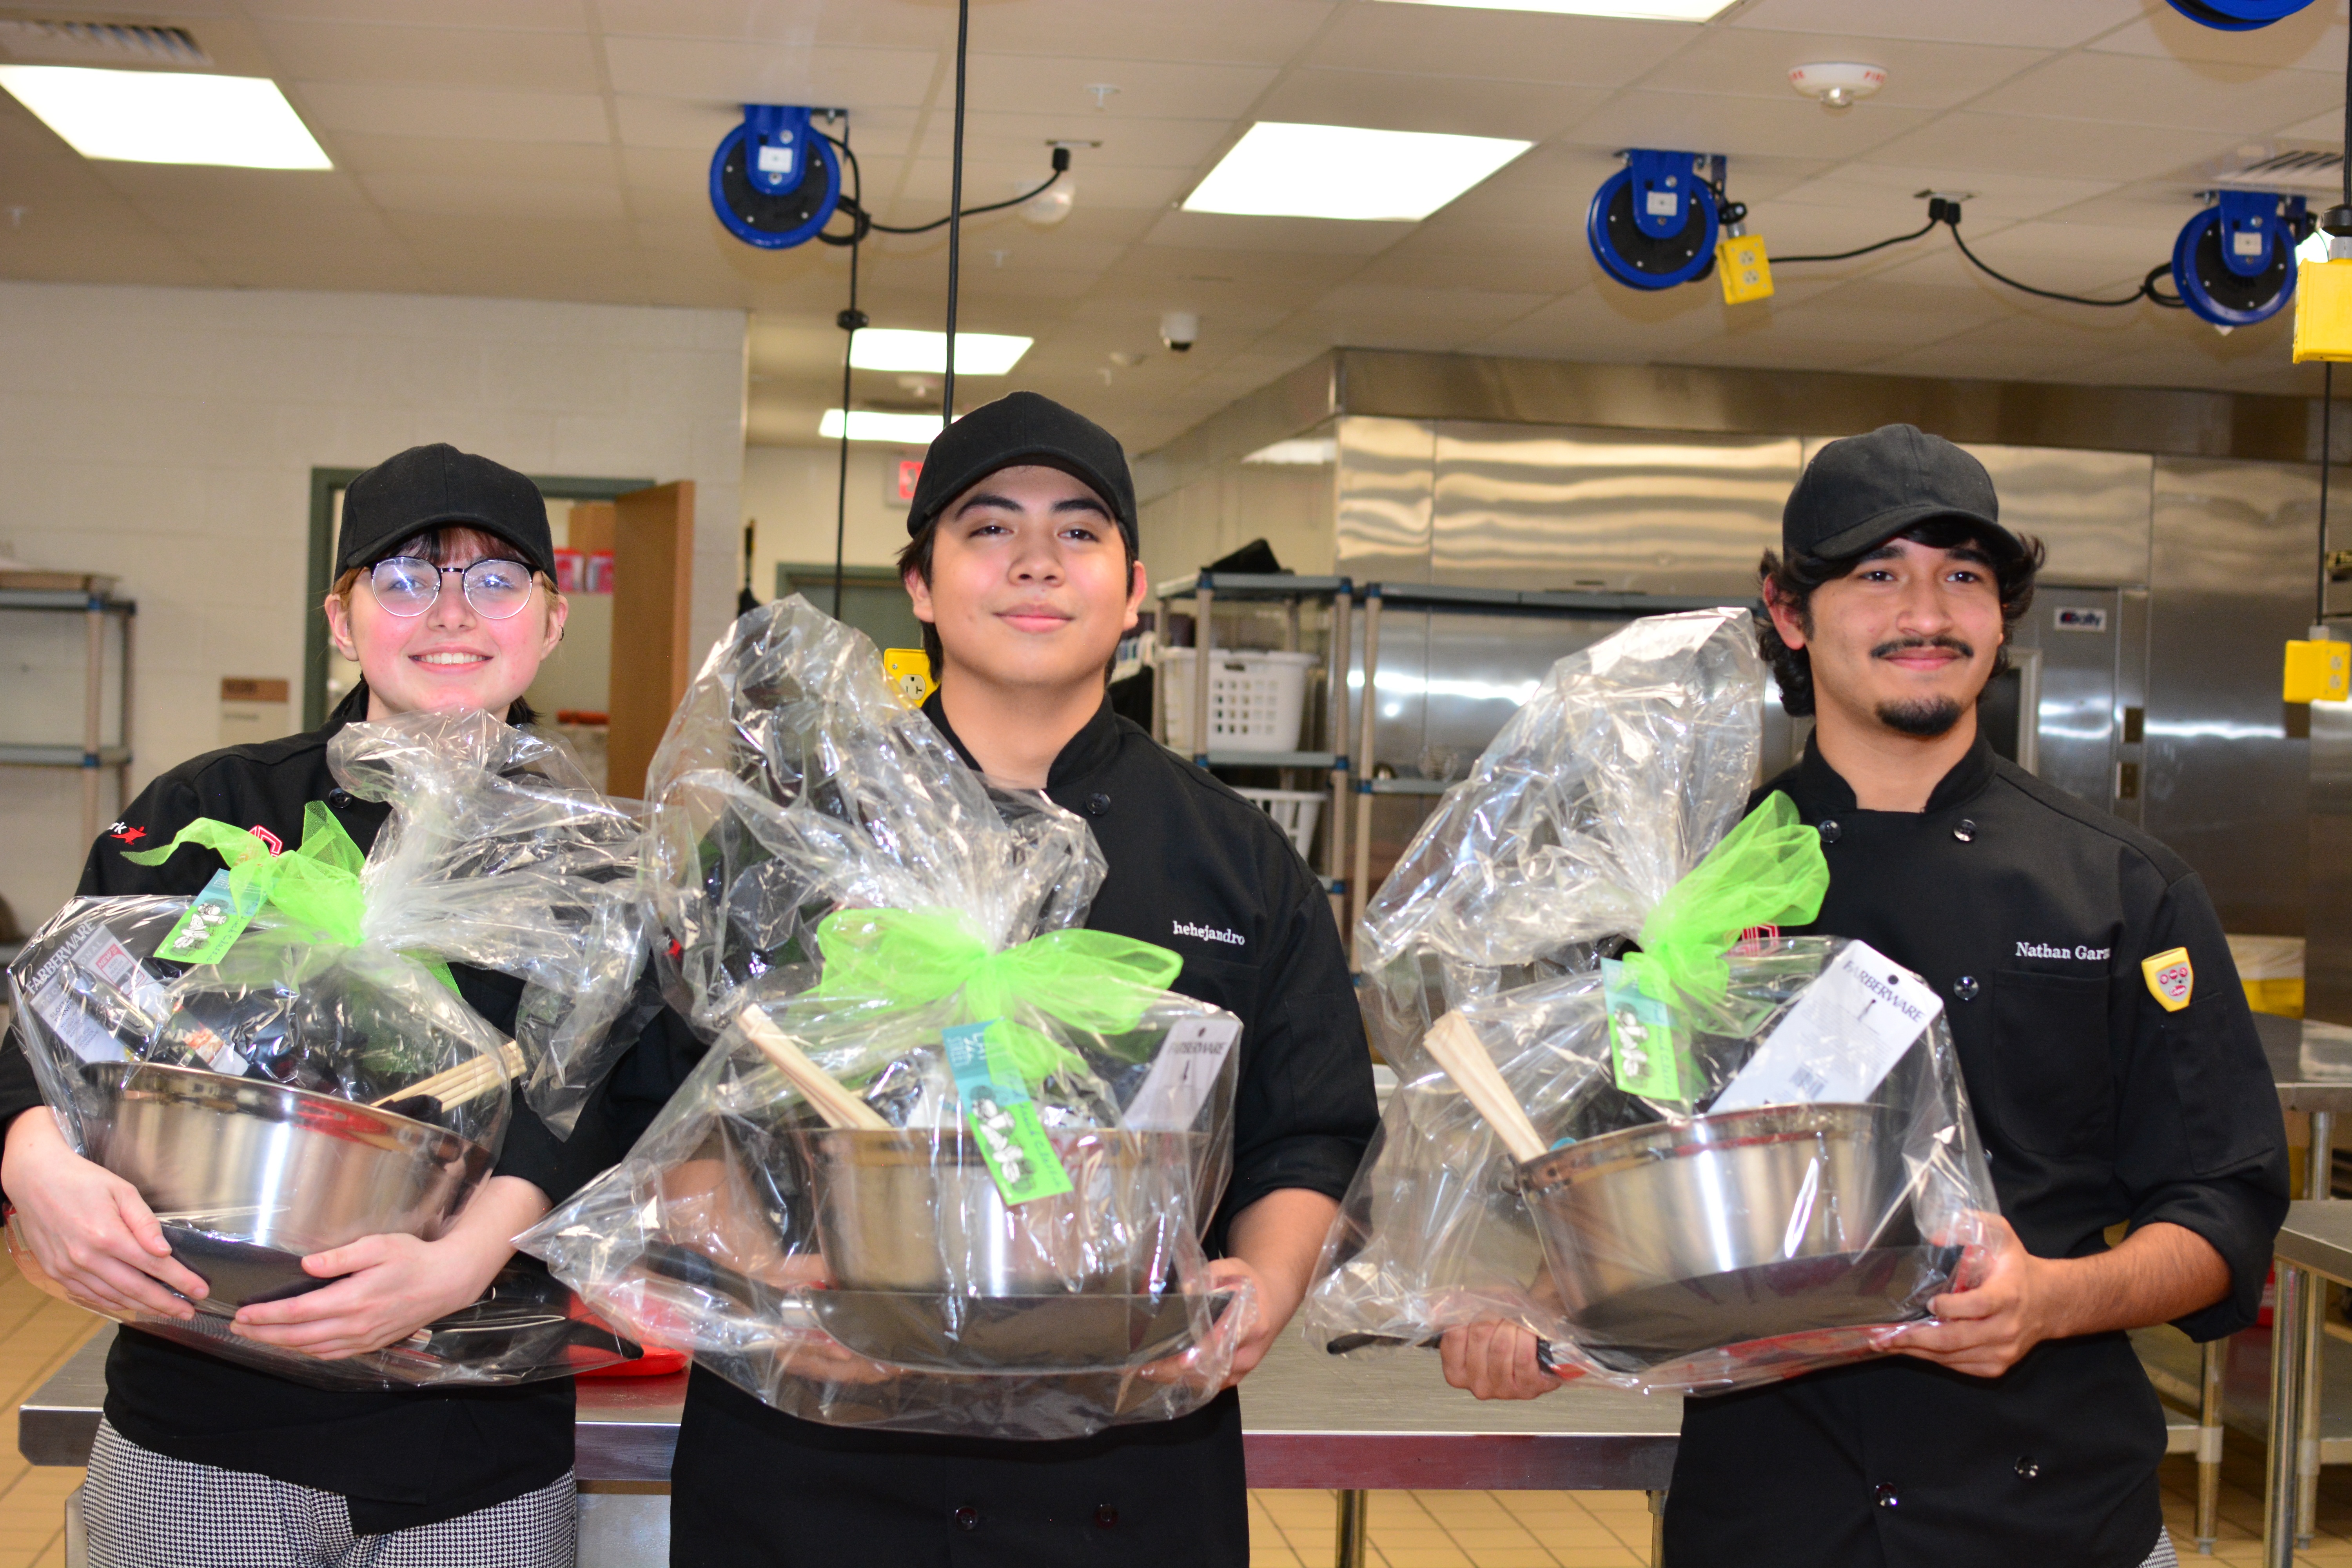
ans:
(93, 755)
(1204, 589)
(1437, 598)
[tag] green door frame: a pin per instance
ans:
(324, 483)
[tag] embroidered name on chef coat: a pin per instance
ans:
(2170, 978)
(2060, 949)
(1206, 934)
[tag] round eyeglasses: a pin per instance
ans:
(405, 585)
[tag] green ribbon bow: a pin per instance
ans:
(316, 886)
(1091, 979)
(1769, 871)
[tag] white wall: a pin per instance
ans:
(790, 493)
(167, 435)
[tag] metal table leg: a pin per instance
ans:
(2209, 1446)
(2318, 1185)
(1355, 1527)
(1657, 1529)
(2289, 1351)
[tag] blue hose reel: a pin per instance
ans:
(1652, 224)
(774, 182)
(2238, 16)
(2233, 264)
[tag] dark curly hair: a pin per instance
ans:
(1791, 582)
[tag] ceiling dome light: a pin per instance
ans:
(1837, 84)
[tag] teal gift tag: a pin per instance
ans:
(211, 926)
(1003, 1119)
(1640, 1036)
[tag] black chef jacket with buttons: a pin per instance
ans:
(406, 1459)
(2031, 913)
(1197, 870)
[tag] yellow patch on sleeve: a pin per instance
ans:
(2170, 978)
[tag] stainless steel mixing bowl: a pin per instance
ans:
(281, 1167)
(918, 1212)
(1666, 1239)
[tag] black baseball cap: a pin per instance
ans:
(1860, 492)
(1024, 427)
(430, 487)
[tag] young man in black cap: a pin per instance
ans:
(444, 597)
(1023, 567)
(2109, 1056)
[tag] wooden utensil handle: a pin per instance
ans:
(836, 1105)
(464, 1081)
(1455, 1046)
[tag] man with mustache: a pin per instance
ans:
(2109, 1056)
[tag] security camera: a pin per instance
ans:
(1180, 330)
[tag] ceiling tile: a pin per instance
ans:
(458, 113)
(1889, 191)
(1529, 262)
(453, 196)
(2026, 145)
(1520, 46)
(926, 187)
(542, 15)
(2310, 39)
(1144, 88)
(2127, 90)
(1918, 75)
(433, 57)
(1127, 142)
(675, 124)
(1226, 231)
(577, 162)
(1703, 123)
(1457, 106)
(726, 73)
(903, 24)
(2032, 24)
(1261, 32)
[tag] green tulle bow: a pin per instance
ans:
(1091, 980)
(316, 887)
(1769, 871)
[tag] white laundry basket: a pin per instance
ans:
(1256, 699)
(1295, 811)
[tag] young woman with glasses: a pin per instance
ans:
(444, 600)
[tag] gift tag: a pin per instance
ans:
(213, 922)
(1840, 1039)
(1182, 1075)
(1003, 1119)
(1640, 1036)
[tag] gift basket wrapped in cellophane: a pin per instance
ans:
(1683, 1151)
(283, 1064)
(948, 1163)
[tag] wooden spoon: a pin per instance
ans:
(1455, 1046)
(836, 1105)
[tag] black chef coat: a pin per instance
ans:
(1199, 870)
(2031, 913)
(403, 1459)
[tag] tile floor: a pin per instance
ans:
(1288, 1529)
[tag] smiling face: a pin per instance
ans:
(451, 656)
(1906, 640)
(1029, 585)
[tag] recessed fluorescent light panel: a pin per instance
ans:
(167, 116)
(1636, 10)
(872, 425)
(895, 348)
(1277, 169)
(1309, 451)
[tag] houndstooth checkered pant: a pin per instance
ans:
(142, 1509)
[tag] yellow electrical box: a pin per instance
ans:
(2323, 311)
(910, 670)
(2318, 672)
(1746, 271)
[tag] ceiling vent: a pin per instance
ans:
(100, 44)
(2308, 166)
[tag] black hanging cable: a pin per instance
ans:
(849, 321)
(955, 210)
(1920, 233)
(1978, 262)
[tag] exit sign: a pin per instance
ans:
(904, 472)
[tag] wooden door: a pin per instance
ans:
(653, 577)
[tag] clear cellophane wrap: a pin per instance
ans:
(1596, 860)
(311, 991)
(822, 861)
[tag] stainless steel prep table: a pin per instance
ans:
(1311, 1422)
